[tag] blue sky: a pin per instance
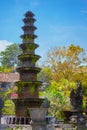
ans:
(59, 22)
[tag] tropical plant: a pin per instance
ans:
(5, 69)
(58, 94)
(9, 108)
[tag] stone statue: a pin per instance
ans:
(73, 99)
(79, 95)
(76, 97)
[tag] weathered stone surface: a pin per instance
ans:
(38, 120)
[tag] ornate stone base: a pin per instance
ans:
(38, 118)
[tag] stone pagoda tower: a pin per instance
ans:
(28, 85)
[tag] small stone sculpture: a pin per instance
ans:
(76, 97)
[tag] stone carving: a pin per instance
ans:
(76, 97)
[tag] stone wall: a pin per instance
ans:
(9, 77)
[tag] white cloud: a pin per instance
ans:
(4, 44)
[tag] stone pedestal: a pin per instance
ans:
(38, 120)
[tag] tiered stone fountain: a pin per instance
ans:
(28, 100)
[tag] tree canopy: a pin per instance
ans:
(8, 57)
(66, 61)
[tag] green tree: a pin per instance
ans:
(58, 94)
(9, 56)
(45, 75)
